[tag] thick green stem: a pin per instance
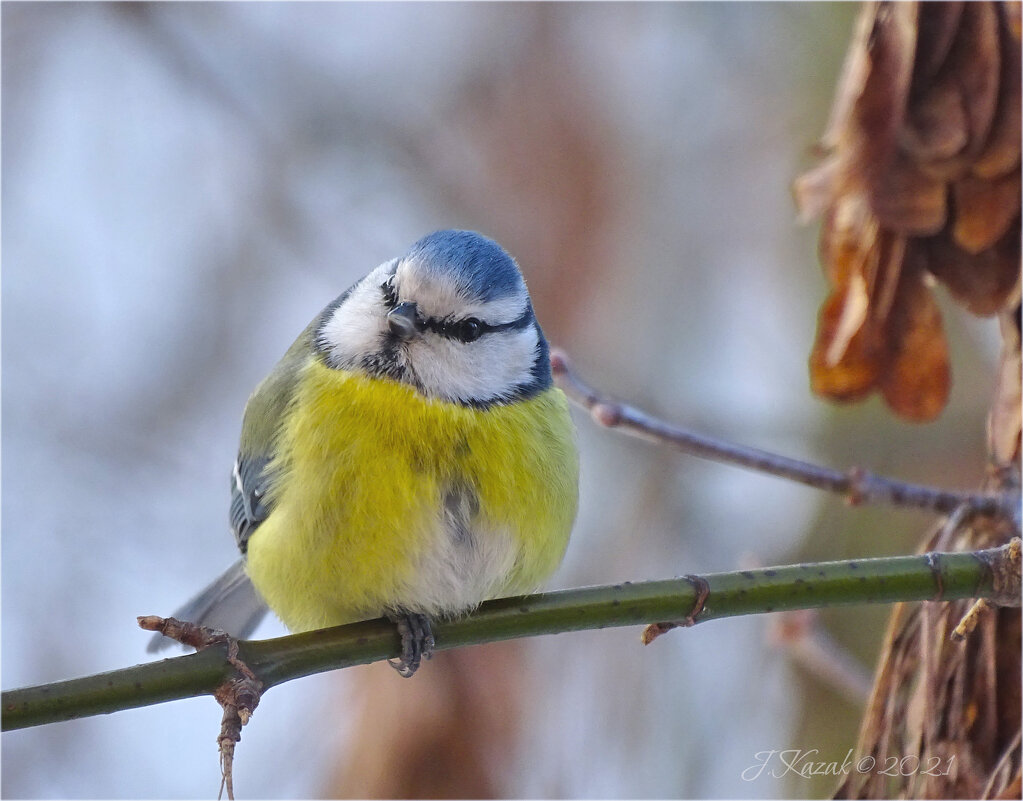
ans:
(127, 688)
(944, 576)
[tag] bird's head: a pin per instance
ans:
(451, 318)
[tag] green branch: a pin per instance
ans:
(992, 574)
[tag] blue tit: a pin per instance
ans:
(408, 457)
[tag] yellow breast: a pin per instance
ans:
(388, 500)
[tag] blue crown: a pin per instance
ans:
(481, 268)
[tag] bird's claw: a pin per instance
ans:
(416, 641)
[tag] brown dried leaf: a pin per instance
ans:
(1004, 422)
(923, 153)
(1002, 150)
(936, 127)
(864, 263)
(984, 210)
(880, 107)
(849, 242)
(1009, 638)
(1012, 10)
(852, 80)
(814, 190)
(844, 362)
(972, 71)
(916, 381)
(986, 282)
(975, 58)
(944, 702)
(958, 139)
(939, 24)
(908, 201)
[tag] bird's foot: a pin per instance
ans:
(416, 641)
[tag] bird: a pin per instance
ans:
(408, 457)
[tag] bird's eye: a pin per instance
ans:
(390, 296)
(469, 329)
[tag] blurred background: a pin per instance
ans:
(186, 185)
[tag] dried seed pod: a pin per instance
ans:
(920, 179)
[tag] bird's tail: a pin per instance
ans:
(229, 604)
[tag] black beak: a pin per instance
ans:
(404, 321)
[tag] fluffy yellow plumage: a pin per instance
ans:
(367, 465)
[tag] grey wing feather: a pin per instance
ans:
(249, 503)
(229, 604)
(251, 480)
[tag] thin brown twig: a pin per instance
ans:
(802, 637)
(859, 486)
(238, 696)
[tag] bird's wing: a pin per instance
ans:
(254, 470)
(250, 506)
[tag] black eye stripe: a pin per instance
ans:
(467, 329)
(454, 329)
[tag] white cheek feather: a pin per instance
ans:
(357, 327)
(484, 370)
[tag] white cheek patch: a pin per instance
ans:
(485, 370)
(440, 298)
(489, 369)
(357, 327)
